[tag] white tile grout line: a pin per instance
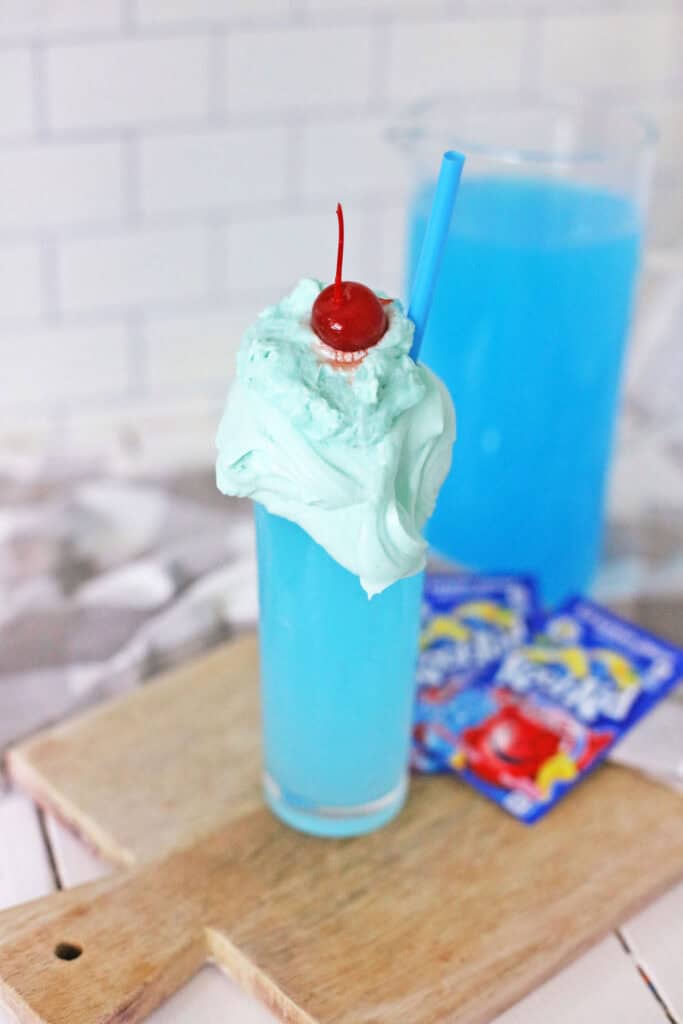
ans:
(193, 29)
(298, 11)
(296, 19)
(240, 212)
(130, 145)
(530, 77)
(217, 76)
(128, 16)
(382, 38)
(110, 131)
(217, 259)
(219, 121)
(293, 162)
(138, 369)
(49, 286)
(39, 90)
(242, 300)
(300, 17)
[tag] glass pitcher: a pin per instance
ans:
(529, 324)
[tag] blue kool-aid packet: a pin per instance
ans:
(553, 708)
(469, 622)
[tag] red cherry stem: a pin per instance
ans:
(340, 257)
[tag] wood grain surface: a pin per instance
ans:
(159, 768)
(448, 915)
(603, 984)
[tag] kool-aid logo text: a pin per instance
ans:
(480, 647)
(588, 696)
(484, 647)
(434, 666)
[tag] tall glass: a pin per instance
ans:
(529, 324)
(337, 685)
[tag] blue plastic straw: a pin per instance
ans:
(433, 244)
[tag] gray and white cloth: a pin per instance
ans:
(105, 581)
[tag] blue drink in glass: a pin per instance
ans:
(528, 329)
(338, 680)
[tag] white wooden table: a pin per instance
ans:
(605, 986)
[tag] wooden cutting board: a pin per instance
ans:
(448, 915)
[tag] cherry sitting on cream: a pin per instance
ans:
(347, 316)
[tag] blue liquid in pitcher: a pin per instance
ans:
(528, 329)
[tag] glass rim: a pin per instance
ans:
(646, 133)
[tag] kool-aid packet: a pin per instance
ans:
(528, 729)
(469, 623)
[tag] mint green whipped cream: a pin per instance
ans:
(355, 457)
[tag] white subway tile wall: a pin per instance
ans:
(211, 337)
(340, 157)
(221, 12)
(297, 70)
(46, 187)
(131, 269)
(126, 83)
(169, 166)
(261, 253)
(49, 19)
(219, 170)
(604, 52)
(83, 364)
(481, 55)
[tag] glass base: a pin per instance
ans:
(334, 822)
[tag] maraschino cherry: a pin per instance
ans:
(347, 316)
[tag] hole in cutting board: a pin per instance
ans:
(67, 951)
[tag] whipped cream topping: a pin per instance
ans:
(355, 456)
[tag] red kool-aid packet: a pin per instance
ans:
(527, 728)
